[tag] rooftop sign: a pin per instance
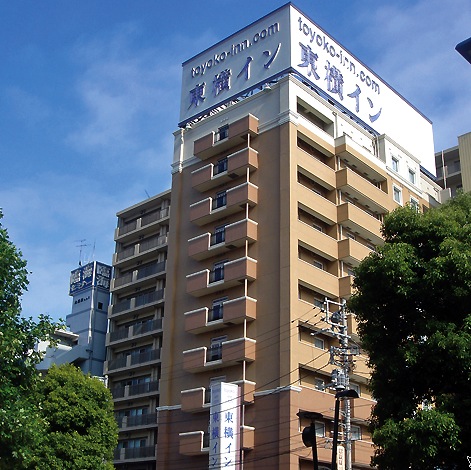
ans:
(285, 41)
(93, 274)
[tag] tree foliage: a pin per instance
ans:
(413, 304)
(20, 424)
(62, 421)
(81, 431)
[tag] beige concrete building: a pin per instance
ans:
(278, 192)
(274, 201)
(135, 320)
(454, 166)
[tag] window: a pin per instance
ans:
(395, 164)
(355, 433)
(317, 264)
(397, 194)
(320, 429)
(319, 384)
(355, 387)
(414, 203)
(220, 200)
(411, 176)
(350, 235)
(217, 310)
(215, 350)
(318, 342)
(219, 235)
(220, 166)
(217, 274)
(317, 227)
(223, 132)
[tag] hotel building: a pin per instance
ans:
(288, 156)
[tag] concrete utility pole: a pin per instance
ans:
(342, 357)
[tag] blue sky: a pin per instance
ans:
(89, 98)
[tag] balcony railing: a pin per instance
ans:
(237, 132)
(137, 389)
(234, 311)
(146, 245)
(138, 301)
(229, 353)
(134, 453)
(139, 420)
(234, 200)
(141, 224)
(229, 275)
(132, 360)
(236, 234)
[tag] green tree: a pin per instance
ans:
(20, 423)
(81, 431)
(413, 304)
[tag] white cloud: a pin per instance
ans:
(129, 97)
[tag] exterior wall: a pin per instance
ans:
(464, 144)
(319, 194)
(136, 321)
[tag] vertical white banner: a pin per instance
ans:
(340, 458)
(224, 427)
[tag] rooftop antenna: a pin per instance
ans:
(81, 246)
(145, 190)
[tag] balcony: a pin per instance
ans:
(139, 303)
(351, 251)
(247, 435)
(362, 452)
(141, 421)
(360, 157)
(315, 169)
(228, 313)
(198, 399)
(135, 253)
(360, 409)
(230, 353)
(132, 361)
(320, 280)
(134, 454)
(316, 205)
(310, 237)
(206, 211)
(238, 133)
(231, 274)
(142, 226)
(132, 332)
(195, 400)
(359, 222)
(194, 443)
(345, 287)
(234, 235)
(135, 391)
(316, 136)
(139, 276)
(357, 187)
(213, 175)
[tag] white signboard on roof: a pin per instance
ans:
(237, 64)
(287, 41)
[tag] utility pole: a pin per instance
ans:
(342, 357)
